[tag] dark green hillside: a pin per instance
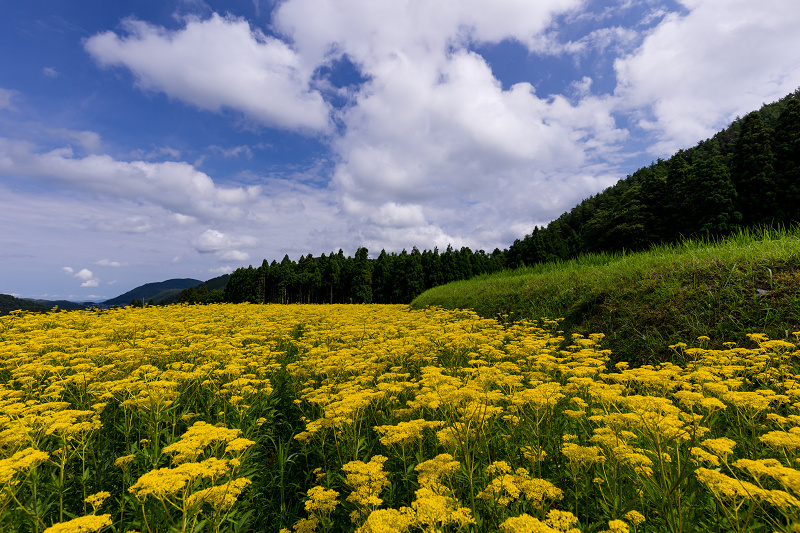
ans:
(218, 283)
(64, 304)
(10, 303)
(152, 291)
(213, 287)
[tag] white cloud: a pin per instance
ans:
(91, 283)
(221, 62)
(234, 151)
(215, 241)
(695, 72)
(125, 224)
(233, 255)
(616, 38)
(225, 246)
(50, 72)
(6, 96)
(68, 270)
(221, 270)
(85, 274)
(183, 219)
(113, 264)
(160, 152)
(175, 186)
(444, 137)
(88, 140)
(370, 31)
(433, 148)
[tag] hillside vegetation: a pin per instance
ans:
(10, 303)
(644, 302)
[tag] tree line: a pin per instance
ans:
(334, 278)
(746, 175)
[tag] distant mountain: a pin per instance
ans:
(64, 304)
(167, 292)
(153, 291)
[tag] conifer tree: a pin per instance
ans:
(713, 198)
(753, 174)
(787, 151)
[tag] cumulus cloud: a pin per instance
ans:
(433, 147)
(225, 246)
(444, 137)
(695, 72)
(218, 63)
(84, 274)
(175, 186)
(370, 31)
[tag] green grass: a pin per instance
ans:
(643, 302)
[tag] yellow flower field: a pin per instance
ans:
(374, 418)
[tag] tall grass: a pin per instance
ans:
(744, 283)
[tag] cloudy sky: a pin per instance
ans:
(148, 140)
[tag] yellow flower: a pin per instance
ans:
(727, 488)
(787, 440)
(618, 526)
(436, 510)
(122, 462)
(433, 470)
(194, 442)
(525, 523)
(388, 521)
(368, 481)
(406, 432)
(20, 462)
(722, 446)
(220, 497)
(582, 456)
(238, 445)
(83, 524)
(321, 500)
(702, 457)
(562, 521)
(96, 500)
(634, 517)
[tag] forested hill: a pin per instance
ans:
(746, 175)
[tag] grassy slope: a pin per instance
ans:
(644, 302)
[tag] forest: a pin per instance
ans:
(747, 175)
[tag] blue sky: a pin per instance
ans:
(142, 141)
